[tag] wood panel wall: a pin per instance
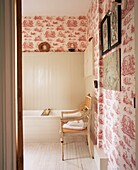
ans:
(53, 80)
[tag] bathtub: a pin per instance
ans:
(37, 128)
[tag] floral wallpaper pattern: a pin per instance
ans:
(115, 113)
(59, 32)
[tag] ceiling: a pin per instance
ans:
(55, 7)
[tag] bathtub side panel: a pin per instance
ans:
(41, 129)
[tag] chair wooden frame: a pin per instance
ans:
(85, 115)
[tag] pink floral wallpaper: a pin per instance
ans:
(115, 113)
(59, 32)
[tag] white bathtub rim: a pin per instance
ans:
(37, 113)
(53, 113)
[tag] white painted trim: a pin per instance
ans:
(7, 88)
(136, 85)
(100, 158)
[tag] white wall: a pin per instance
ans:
(53, 79)
(89, 85)
(88, 68)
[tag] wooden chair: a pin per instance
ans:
(83, 114)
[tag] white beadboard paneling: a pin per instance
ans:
(53, 79)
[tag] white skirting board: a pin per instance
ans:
(100, 158)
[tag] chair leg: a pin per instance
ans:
(62, 140)
(62, 145)
(86, 138)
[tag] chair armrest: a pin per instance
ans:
(66, 119)
(71, 113)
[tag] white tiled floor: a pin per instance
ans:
(47, 156)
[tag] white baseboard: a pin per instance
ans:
(100, 158)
